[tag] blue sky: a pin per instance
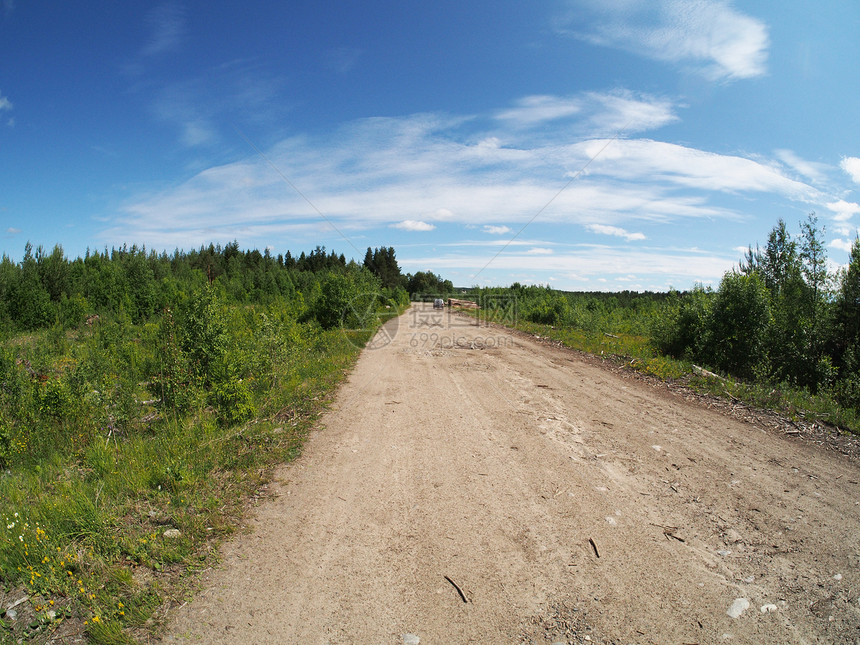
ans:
(586, 144)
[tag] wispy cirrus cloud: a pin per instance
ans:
(166, 24)
(411, 172)
(6, 106)
(341, 59)
(375, 171)
(601, 112)
(590, 262)
(236, 91)
(812, 170)
(645, 159)
(709, 36)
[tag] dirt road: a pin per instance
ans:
(566, 502)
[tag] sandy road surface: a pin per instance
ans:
(508, 466)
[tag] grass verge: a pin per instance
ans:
(106, 517)
(636, 353)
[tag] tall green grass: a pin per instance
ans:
(111, 492)
(618, 328)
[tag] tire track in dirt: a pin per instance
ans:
(507, 466)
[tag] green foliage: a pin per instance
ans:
(110, 432)
(427, 282)
(234, 402)
(169, 371)
(681, 330)
(54, 399)
(549, 308)
(349, 300)
(382, 263)
(203, 336)
(737, 325)
(846, 325)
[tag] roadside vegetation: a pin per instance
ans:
(780, 331)
(144, 400)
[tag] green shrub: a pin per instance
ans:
(737, 327)
(680, 329)
(551, 309)
(234, 402)
(203, 335)
(55, 400)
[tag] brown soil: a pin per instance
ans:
(563, 501)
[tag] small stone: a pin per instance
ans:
(410, 639)
(769, 609)
(171, 534)
(724, 552)
(838, 576)
(739, 606)
(611, 520)
(749, 580)
(657, 448)
(733, 536)
(11, 614)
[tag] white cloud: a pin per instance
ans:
(593, 262)
(417, 170)
(532, 110)
(443, 214)
(167, 26)
(12, 230)
(413, 225)
(540, 251)
(708, 35)
(844, 210)
(642, 159)
(602, 229)
(624, 111)
(815, 171)
(603, 112)
(851, 165)
(5, 103)
(842, 245)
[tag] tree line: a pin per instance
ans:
(781, 316)
(46, 288)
